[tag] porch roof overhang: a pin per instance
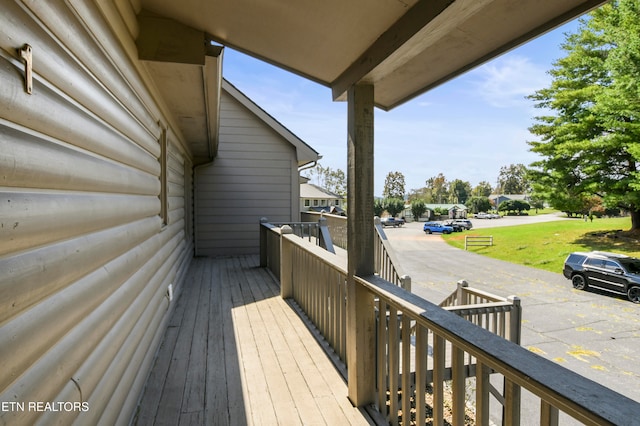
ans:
(403, 47)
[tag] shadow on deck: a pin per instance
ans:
(236, 353)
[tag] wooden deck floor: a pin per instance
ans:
(235, 353)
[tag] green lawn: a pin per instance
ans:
(546, 245)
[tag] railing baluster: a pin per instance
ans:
(382, 366)
(548, 414)
(511, 415)
(407, 390)
(458, 385)
(482, 394)
(438, 379)
(421, 374)
(394, 363)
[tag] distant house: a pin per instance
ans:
(496, 199)
(455, 211)
(316, 198)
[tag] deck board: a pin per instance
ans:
(236, 353)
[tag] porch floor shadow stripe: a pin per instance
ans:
(236, 353)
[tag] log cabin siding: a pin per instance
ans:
(253, 176)
(85, 261)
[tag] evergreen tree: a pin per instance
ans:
(590, 143)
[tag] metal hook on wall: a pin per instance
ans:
(26, 54)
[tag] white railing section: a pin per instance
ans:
(337, 226)
(316, 232)
(445, 351)
(499, 315)
(386, 263)
(270, 247)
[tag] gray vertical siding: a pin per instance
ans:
(85, 261)
(250, 178)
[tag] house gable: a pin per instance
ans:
(254, 175)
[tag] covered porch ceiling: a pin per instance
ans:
(402, 47)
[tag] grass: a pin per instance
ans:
(546, 245)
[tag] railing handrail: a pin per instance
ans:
(338, 263)
(321, 232)
(583, 399)
(463, 291)
(481, 307)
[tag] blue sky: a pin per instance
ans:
(466, 129)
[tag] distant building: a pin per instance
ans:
(455, 211)
(316, 198)
(496, 199)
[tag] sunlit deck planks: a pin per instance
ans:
(236, 353)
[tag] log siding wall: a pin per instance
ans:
(85, 262)
(251, 177)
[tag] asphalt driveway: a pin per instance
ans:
(593, 334)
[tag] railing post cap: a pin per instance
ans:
(376, 220)
(463, 283)
(286, 229)
(514, 299)
(264, 220)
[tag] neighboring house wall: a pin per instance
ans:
(254, 175)
(87, 249)
(313, 197)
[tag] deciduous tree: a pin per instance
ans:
(417, 209)
(513, 179)
(439, 189)
(393, 206)
(483, 189)
(394, 185)
(478, 204)
(459, 191)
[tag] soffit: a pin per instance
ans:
(403, 47)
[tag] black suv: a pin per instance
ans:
(609, 271)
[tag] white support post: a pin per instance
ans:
(263, 243)
(405, 282)
(515, 320)
(462, 294)
(286, 264)
(360, 303)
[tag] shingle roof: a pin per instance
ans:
(309, 190)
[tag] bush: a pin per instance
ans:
(417, 209)
(514, 207)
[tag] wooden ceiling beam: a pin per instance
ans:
(163, 39)
(416, 18)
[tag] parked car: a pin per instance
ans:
(391, 221)
(465, 223)
(430, 227)
(452, 223)
(612, 272)
(483, 215)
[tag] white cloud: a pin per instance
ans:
(505, 82)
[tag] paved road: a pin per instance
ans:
(595, 335)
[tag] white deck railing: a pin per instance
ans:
(445, 351)
(386, 263)
(499, 315)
